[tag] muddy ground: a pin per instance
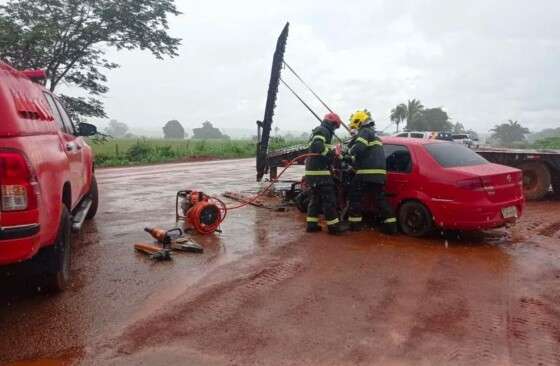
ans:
(264, 292)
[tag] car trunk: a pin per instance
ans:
(500, 183)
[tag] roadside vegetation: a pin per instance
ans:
(548, 143)
(124, 152)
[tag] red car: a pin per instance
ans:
(437, 184)
(47, 183)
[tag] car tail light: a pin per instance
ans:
(18, 184)
(471, 184)
(478, 184)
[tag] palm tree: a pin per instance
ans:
(413, 109)
(398, 114)
(510, 132)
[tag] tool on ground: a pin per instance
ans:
(200, 212)
(154, 252)
(186, 245)
(164, 236)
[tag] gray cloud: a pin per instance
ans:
(485, 62)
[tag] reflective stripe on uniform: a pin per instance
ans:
(319, 137)
(317, 172)
(372, 171)
(367, 143)
(312, 219)
(333, 222)
(355, 219)
(390, 220)
(325, 151)
(362, 140)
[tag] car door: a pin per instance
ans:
(72, 146)
(399, 169)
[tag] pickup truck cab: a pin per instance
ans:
(47, 182)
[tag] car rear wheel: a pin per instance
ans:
(415, 219)
(94, 196)
(57, 257)
(536, 180)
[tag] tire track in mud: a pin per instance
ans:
(209, 310)
(461, 320)
(535, 332)
(550, 230)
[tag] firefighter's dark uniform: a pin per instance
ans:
(318, 176)
(368, 160)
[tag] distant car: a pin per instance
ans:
(463, 138)
(442, 135)
(436, 184)
(47, 182)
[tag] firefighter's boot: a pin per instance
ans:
(338, 228)
(389, 226)
(313, 227)
(356, 226)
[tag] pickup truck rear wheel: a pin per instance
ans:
(57, 256)
(94, 196)
(415, 219)
(536, 180)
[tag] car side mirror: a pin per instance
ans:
(86, 129)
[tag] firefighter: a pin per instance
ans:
(318, 177)
(368, 160)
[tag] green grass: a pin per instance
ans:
(548, 143)
(124, 152)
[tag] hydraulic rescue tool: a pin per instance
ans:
(164, 236)
(154, 251)
(201, 212)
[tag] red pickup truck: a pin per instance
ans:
(47, 182)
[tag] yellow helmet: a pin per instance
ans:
(360, 118)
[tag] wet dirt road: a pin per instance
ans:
(264, 292)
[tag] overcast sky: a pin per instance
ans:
(484, 61)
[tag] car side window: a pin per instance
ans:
(398, 158)
(404, 134)
(417, 135)
(65, 118)
(56, 114)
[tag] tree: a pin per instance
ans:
(431, 119)
(507, 133)
(173, 130)
(69, 39)
(414, 109)
(473, 134)
(458, 128)
(116, 129)
(207, 131)
(398, 114)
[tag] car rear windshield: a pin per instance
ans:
(454, 155)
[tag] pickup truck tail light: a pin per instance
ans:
(18, 184)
